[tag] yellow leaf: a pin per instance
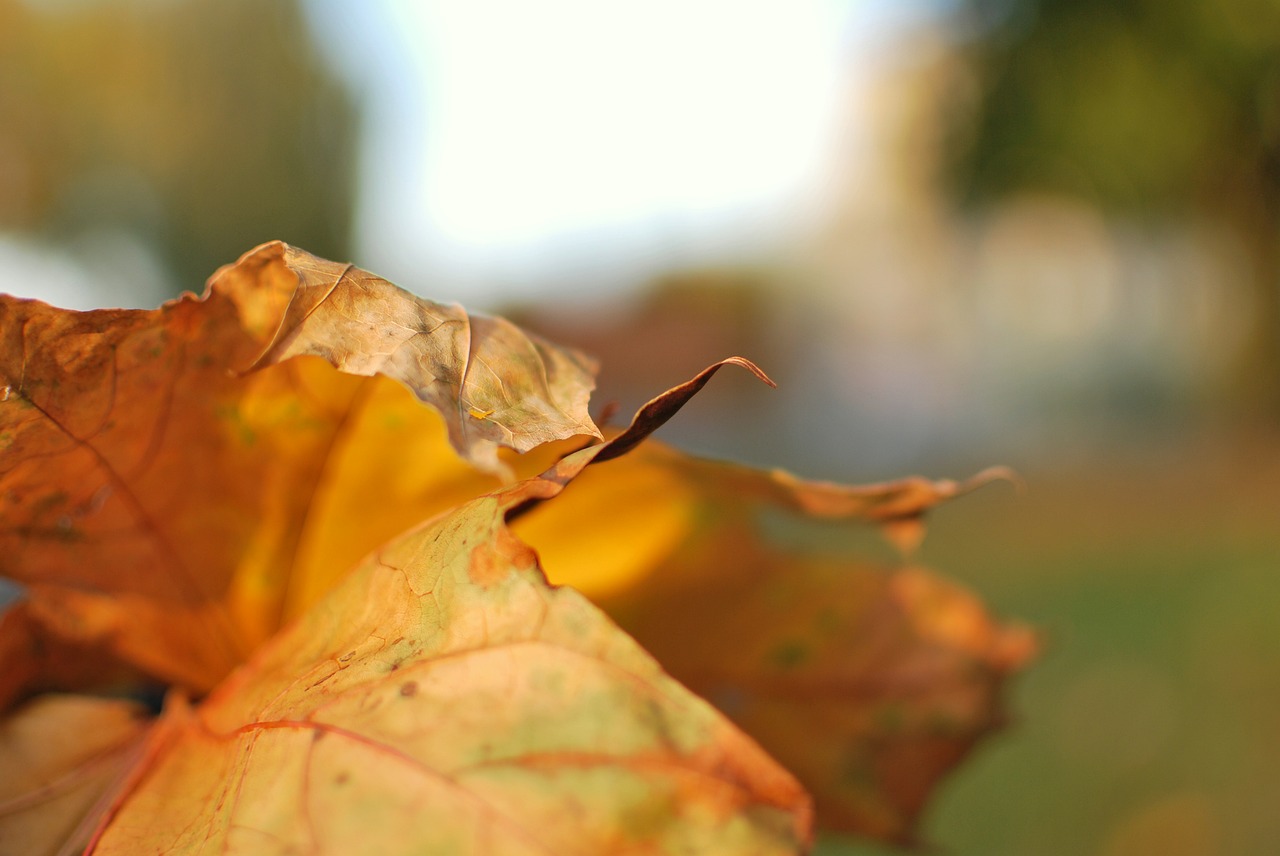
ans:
(444, 699)
(868, 683)
(166, 505)
(186, 491)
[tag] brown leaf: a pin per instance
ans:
(444, 699)
(168, 507)
(869, 684)
(495, 384)
(162, 505)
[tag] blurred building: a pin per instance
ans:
(1035, 317)
(910, 332)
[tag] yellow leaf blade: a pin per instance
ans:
(444, 699)
(172, 508)
(869, 684)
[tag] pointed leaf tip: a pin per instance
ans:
(749, 366)
(657, 411)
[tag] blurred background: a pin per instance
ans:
(1044, 233)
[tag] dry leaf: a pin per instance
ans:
(494, 384)
(444, 699)
(162, 505)
(868, 684)
(176, 484)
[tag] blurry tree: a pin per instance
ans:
(1148, 108)
(202, 127)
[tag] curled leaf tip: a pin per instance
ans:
(749, 366)
(655, 413)
(993, 474)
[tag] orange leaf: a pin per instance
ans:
(868, 684)
(161, 504)
(175, 485)
(521, 391)
(36, 661)
(444, 699)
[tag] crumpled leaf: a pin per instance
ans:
(63, 758)
(161, 504)
(444, 699)
(495, 384)
(868, 684)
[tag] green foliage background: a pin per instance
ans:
(1148, 725)
(200, 128)
(1149, 109)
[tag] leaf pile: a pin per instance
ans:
(318, 509)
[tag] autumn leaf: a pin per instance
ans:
(35, 662)
(187, 490)
(869, 683)
(444, 699)
(164, 503)
(494, 384)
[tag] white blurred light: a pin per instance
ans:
(522, 141)
(100, 268)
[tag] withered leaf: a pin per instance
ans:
(495, 384)
(869, 684)
(157, 501)
(444, 699)
(176, 484)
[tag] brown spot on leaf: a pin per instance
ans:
(493, 562)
